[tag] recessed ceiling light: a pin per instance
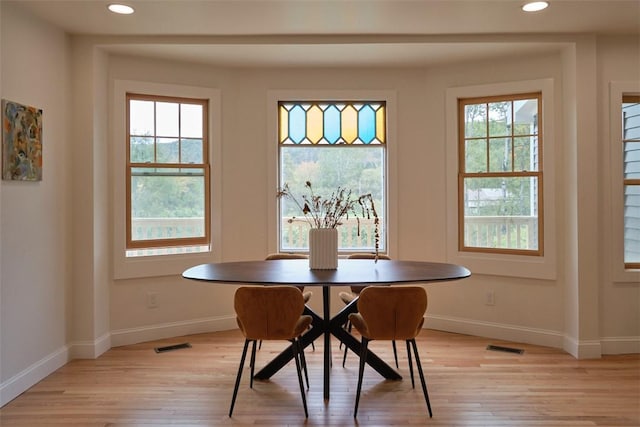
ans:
(122, 9)
(535, 6)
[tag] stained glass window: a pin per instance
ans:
(332, 123)
(333, 144)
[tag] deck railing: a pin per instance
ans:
(515, 232)
(507, 232)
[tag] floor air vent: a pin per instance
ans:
(172, 347)
(505, 349)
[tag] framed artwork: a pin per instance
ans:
(21, 142)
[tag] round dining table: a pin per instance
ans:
(350, 272)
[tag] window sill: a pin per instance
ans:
(158, 265)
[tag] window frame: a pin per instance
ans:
(168, 264)
(619, 272)
(629, 98)
(273, 158)
(178, 242)
(542, 266)
(462, 174)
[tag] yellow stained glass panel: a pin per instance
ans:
(283, 129)
(314, 124)
(349, 124)
(380, 125)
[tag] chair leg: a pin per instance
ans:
(395, 353)
(363, 360)
(303, 360)
(424, 384)
(413, 383)
(344, 357)
(348, 327)
(295, 348)
(235, 389)
(252, 363)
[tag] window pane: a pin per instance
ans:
(191, 121)
(501, 213)
(632, 224)
(191, 151)
(167, 150)
(476, 156)
(328, 167)
(500, 155)
(141, 118)
(475, 120)
(500, 118)
(632, 160)
(142, 150)
(167, 206)
(525, 116)
(167, 113)
(524, 149)
(631, 120)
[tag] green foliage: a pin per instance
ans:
(170, 192)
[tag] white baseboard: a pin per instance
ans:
(585, 349)
(173, 329)
(582, 349)
(500, 331)
(33, 374)
(620, 345)
(90, 349)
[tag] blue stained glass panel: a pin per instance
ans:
(332, 124)
(367, 124)
(297, 124)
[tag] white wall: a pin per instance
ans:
(421, 195)
(36, 216)
(56, 234)
(619, 300)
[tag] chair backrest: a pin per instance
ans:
(393, 312)
(281, 255)
(268, 312)
(284, 255)
(364, 255)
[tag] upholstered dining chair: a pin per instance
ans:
(348, 297)
(270, 313)
(390, 313)
(285, 255)
(306, 295)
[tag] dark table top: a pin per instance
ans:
(349, 272)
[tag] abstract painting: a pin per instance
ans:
(21, 142)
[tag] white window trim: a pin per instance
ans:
(616, 90)
(273, 96)
(160, 265)
(539, 267)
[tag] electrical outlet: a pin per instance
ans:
(490, 298)
(152, 299)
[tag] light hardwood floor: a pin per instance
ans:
(468, 386)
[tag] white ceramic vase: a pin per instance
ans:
(323, 248)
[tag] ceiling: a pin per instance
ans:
(334, 32)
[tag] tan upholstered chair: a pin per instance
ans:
(348, 297)
(306, 295)
(270, 313)
(390, 313)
